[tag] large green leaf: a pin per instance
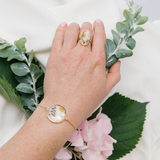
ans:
(6, 72)
(8, 92)
(127, 118)
(142, 20)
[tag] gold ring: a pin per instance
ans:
(85, 38)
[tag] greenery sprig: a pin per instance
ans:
(128, 28)
(27, 71)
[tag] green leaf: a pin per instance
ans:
(20, 44)
(122, 53)
(122, 27)
(113, 59)
(32, 108)
(30, 58)
(94, 115)
(25, 88)
(25, 79)
(127, 118)
(38, 74)
(142, 20)
(4, 45)
(15, 55)
(6, 72)
(130, 43)
(34, 69)
(8, 92)
(39, 91)
(137, 12)
(29, 99)
(109, 47)
(117, 38)
(20, 69)
(4, 53)
(2, 41)
(138, 29)
(129, 17)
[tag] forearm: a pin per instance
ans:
(38, 139)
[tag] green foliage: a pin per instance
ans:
(126, 29)
(8, 92)
(28, 76)
(127, 118)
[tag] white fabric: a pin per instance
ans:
(37, 21)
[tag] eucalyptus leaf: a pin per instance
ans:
(15, 55)
(8, 92)
(109, 47)
(39, 91)
(4, 45)
(32, 108)
(130, 43)
(113, 59)
(127, 118)
(142, 20)
(29, 99)
(137, 12)
(25, 79)
(38, 74)
(116, 38)
(138, 29)
(20, 69)
(4, 53)
(30, 58)
(129, 17)
(25, 88)
(122, 53)
(122, 27)
(34, 69)
(20, 44)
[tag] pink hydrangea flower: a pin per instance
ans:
(92, 138)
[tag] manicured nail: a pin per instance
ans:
(98, 21)
(63, 24)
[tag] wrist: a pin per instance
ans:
(73, 115)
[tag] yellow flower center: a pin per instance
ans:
(83, 35)
(61, 109)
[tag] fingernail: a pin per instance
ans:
(98, 21)
(63, 24)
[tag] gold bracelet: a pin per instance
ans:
(57, 114)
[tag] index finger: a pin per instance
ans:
(99, 37)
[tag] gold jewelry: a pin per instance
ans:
(85, 38)
(57, 114)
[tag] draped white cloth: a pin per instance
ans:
(140, 74)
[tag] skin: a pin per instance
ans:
(76, 79)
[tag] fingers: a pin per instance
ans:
(86, 26)
(113, 76)
(99, 37)
(71, 36)
(59, 37)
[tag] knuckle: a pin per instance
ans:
(98, 59)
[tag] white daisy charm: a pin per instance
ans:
(85, 38)
(56, 114)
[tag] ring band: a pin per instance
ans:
(85, 38)
(57, 114)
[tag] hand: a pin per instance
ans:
(76, 76)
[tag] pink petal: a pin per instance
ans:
(63, 154)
